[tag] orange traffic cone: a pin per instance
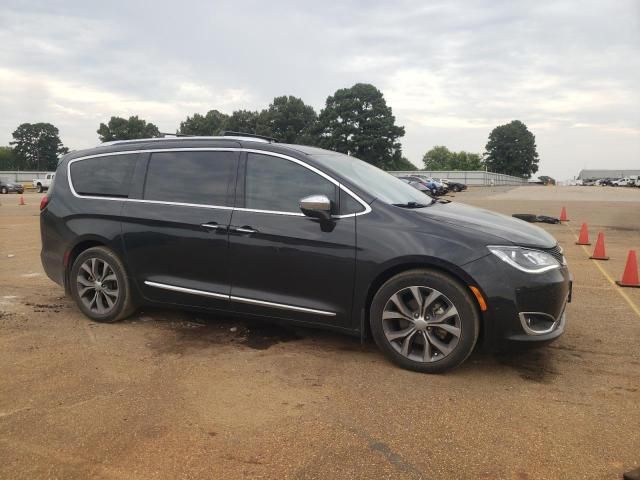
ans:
(21, 200)
(630, 275)
(583, 239)
(598, 252)
(563, 215)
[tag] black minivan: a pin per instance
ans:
(300, 234)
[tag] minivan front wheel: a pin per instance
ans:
(424, 320)
(99, 285)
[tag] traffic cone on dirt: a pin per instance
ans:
(599, 252)
(563, 215)
(583, 239)
(22, 200)
(630, 275)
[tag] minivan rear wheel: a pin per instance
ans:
(424, 320)
(100, 287)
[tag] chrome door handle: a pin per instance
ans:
(243, 230)
(211, 226)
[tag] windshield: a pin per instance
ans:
(378, 183)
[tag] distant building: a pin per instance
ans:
(596, 174)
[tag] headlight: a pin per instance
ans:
(525, 259)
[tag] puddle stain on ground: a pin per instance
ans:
(536, 365)
(195, 332)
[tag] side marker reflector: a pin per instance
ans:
(480, 298)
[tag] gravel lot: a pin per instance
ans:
(170, 394)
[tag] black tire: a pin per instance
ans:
(122, 306)
(456, 188)
(39, 188)
(4, 190)
(467, 319)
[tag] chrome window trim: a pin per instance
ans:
(193, 291)
(367, 208)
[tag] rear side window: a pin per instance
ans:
(107, 176)
(277, 184)
(190, 177)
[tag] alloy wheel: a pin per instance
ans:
(421, 323)
(97, 286)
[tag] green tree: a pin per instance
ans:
(441, 158)
(7, 159)
(512, 150)
(37, 146)
(120, 128)
(357, 121)
(402, 164)
(287, 119)
(212, 123)
(244, 121)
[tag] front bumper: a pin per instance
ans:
(522, 308)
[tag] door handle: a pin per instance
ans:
(212, 226)
(244, 229)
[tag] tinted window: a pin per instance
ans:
(190, 177)
(277, 184)
(108, 176)
(348, 204)
(374, 181)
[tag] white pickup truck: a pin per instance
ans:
(42, 184)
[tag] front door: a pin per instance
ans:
(285, 264)
(175, 234)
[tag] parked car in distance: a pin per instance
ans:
(7, 186)
(418, 185)
(623, 182)
(300, 235)
(43, 184)
(453, 186)
(435, 187)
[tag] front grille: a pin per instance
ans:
(556, 252)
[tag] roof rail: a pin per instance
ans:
(227, 136)
(231, 133)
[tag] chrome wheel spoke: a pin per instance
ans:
(108, 300)
(84, 282)
(400, 305)
(111, 277)
(427, 354)
(433, 296)
(387, 315)
(87, 269)
(453, 330)
(445, 348)
(406, 343)
(395, 335)
(84, 290)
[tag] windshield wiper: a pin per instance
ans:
(410, 205)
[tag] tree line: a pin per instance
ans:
(356, 121)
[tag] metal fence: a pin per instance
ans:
(471, 177)
(21, 176)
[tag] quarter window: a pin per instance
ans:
(190, 177)
(108, 176)
(277, 184)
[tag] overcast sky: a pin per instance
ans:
(450, 70)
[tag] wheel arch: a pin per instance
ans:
(407, 264)
(80, 246)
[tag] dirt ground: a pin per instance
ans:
(170, 394)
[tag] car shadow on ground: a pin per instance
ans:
(197, 331)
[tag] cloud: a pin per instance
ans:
(451, 70)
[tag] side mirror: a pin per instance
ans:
(316, 206)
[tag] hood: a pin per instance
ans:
(512, 230)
